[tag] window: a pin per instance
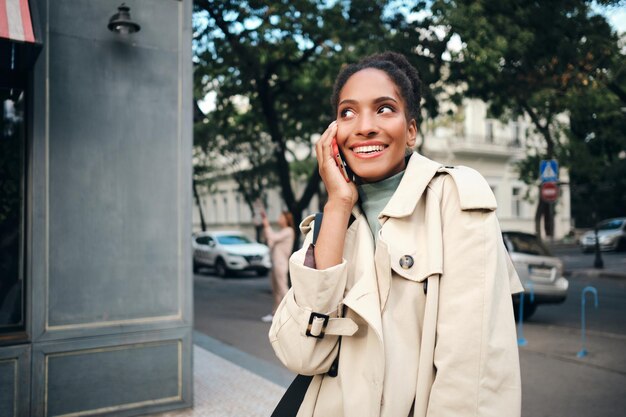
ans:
(233, 240)
(516, 202)
(12, 210)
(517, 140)
(611, 224)
(238, 208)
(226, 209)
(525, 243)
(489, 131)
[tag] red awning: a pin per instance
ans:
(15, 21)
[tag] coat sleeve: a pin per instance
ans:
(312, 291)
(476, 359)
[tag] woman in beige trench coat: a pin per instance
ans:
(414, 298)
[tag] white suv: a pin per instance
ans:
(229, 251)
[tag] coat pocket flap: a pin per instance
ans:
(410, 265)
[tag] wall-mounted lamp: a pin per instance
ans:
(121, 22)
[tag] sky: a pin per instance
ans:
(617, 19)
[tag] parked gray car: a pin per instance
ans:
(611, 236)
(540, 272)
(229, 251)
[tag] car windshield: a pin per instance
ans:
(527, 244)
(233, 240)
(610, 225)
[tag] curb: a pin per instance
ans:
(595, 273)
(279, 376)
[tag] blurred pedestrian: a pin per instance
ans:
(402, 305)
(281, 246)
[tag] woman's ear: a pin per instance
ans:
(412, 134)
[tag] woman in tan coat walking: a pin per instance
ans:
(281, 247)
(406, 309)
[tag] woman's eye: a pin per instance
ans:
(346, 113)
(386, 109)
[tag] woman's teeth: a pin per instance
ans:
(369, 149)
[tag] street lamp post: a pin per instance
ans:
(598, 263)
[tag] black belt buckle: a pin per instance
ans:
(313, 316)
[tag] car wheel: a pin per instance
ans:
(621, 245)
(261, 272)
(220, 268)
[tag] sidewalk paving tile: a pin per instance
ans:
(224, 389)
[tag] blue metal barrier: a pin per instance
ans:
(583, 351)
(521, 341)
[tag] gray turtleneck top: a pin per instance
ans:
(374, 197)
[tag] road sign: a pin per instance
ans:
(549, 192)
(549, 170)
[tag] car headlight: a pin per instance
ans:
(234, 257)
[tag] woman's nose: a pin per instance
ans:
(367, 125)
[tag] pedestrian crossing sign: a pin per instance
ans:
(549, 170)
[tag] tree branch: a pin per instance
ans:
(543, 129)
(310, 190)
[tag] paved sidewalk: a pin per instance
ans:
(224, 389)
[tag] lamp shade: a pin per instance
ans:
(121, 21)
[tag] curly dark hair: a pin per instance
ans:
(398, 68)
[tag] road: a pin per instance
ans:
(555, 382)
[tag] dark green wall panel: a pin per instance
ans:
(110, 254)
(8, 385)
(113, 375)
(126, 376)
(15, 381)
(114, 176)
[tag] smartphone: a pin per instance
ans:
(341, 163)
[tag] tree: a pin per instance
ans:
(596, 152)
(525, 57)
(271, 67)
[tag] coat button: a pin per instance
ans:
(406, 262)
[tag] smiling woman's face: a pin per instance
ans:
(372, 129)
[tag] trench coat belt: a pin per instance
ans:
(314, 326)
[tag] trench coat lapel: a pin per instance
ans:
(363, 298)
(419, 171)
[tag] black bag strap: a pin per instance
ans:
(293, 397)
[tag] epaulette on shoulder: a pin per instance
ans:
(474, 191)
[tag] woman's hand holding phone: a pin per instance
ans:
(342, 196)
(341, 164)
(333, 169)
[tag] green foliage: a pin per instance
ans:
(535, 58)
(597, 154)
(271, 68)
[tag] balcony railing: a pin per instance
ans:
(484, 144)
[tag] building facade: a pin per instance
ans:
(492, 147)
(95, 208)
